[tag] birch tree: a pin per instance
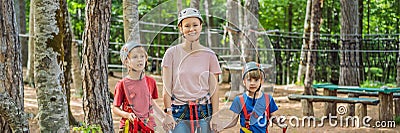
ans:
(12, 116)
(306, 41)
(31, 45)
(316, 15)
(53, 108)
(96, 37)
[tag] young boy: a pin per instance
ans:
(135, 92)
(253, 106)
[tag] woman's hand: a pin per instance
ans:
(168, 122)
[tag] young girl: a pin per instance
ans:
(134, 94)
(254, 107)
(190, 73)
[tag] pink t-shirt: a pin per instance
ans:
(139, 92)
(191, 72)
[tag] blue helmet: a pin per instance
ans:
(250, 66)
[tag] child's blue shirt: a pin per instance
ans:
(257, 126)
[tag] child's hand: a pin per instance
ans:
(131, 117)
(214, 126)
(168, 122)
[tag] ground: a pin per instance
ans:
(286, 107)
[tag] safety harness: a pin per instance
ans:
(247, 115)
(193, 107)
(138, 125)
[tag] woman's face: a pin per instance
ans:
(191, 28)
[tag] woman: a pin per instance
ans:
(190, 73)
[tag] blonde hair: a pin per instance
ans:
(254, 74)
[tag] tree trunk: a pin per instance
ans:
(359, 35)
(349, 73)
(96, 104)
(206, 7)
(76, 68)
(195, 4)
(179, 5)
(232, 15)
(131, 20)
(49, 56)
(67, 43)
(21, 23)
(316, 15)
(12, 115)
(289, 41)
(306, 41)
(31, 45)
(249, 45)
(398, 70)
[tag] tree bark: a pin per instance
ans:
(67, 43)
(131, 20)
(96, 104)
(21, 23)
(349, 60)
(359, 35)
(31, 46)
(76, 68)
(316, 15)
(49, 56)
(232, 15)
(12, 116)
(195, 4)
(306, 41)
(208, 16)
(249, 44)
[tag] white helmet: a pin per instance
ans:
(188, 13)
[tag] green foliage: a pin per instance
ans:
(397, 120)
(88, 128)
(376, 84)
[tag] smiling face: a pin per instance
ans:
(137, 58)
(191, 28)
(253, 80)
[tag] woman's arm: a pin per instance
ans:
(167, 87)
(214, 93)
(169, 122)
(159, 113)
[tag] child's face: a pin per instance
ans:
(137, 59)
(191, 28)
(253, 80)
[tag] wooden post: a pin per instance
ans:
(361, 111)
(397, 107)
(385, 106)
(330, 108)
(307, 107)
(350, 107)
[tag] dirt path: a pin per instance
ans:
(286, 108)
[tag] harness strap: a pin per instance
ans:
(247, 116)
(144, 129)
(191, 117)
